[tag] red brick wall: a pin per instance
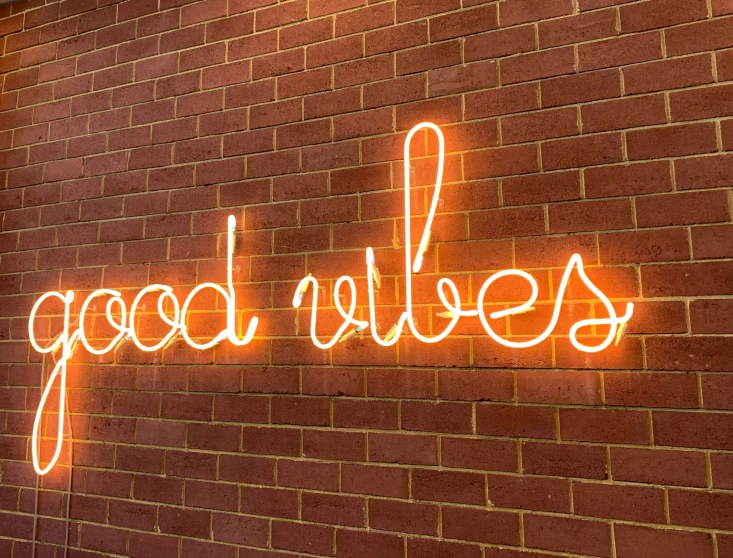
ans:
(130, 130)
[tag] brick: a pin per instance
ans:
(313, 81)
(277, 64)
(543, 494)
(422, 548)
(726, 129)
(630, 538)
(372, 68)
(539, 126)
(158, 489)
(538, 65)
(428, 57)
(568, 535)
(726, 546)
(533, 253)
(620, 51)
(703, 172)
(675, 73)
(721, 7)
(564, 460)
(239, 529)
(623, 113)
(501, 162)
(707, 103)
(289, 12)
(403, 517)
(593, 425)
(363, 123)
(439, 111)
(333, 102)
(393, 448)
(644, 246)
(541, 188)
(202, 11)
(723, 63)
(660, 13)
(709, 316)
(360, 544)
(199, 103)
(268, 501)
(330, 156)
(475, 385)
(690, 430)
(579, 388)
(306, 33)
(412, 9)
(509, 420)
(177, 85)
(183, 38)
(253, 45)
(678, 276)
(103, 539)
(593, 215)
(628, 179)
(314, 539)
(486, 526)
(577, 28)
(157, 23)
(711, 242)
(275, 113)
(445, 81)
(502, 42)
(448, 486)
(184, 522)
(363, 19)
(699, 508)
(374, 480)
(584, 151)
(135, 8)
(339, 50)
(699, 37)
(468, 22)
(696, 208)
(225, 74)
(720, 467)
(232, 26)
(491, 455)
(659, 466)
(507, 223)
(338, 445)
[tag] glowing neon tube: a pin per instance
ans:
(65, 341)
(447, 292)
(453, 311)
(126, 329)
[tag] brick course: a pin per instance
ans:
(130, 129)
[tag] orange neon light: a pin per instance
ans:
(125, 325)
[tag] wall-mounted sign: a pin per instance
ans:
(175, 316)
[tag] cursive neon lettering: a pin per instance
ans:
(447, 291)
(618, 324)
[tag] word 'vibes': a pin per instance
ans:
(123, 320)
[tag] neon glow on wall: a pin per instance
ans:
(448, 294)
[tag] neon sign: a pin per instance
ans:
(448, 294)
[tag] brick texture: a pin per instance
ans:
(129, 130)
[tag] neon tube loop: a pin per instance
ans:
(67, 342)
(347, 316)
(446, 290)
